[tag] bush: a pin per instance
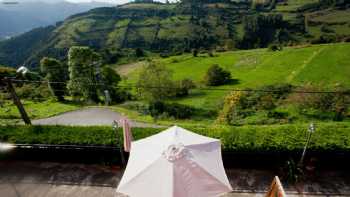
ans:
(334, 103)
(195, 52)
(216, 76)
(266, 102)
(347, 39)
(231, 109)
(275, 47)
(239, 105)
(164, 54)
(139, 52)
(324, 39)
(326, 29)
(328, 137)
(7, 72)
(211, 53)
(277, 114)
(183, 87)
(32, 92)
(175, 110)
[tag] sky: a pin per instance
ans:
(107, 1)
(78, 1)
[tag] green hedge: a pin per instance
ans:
(328, 136)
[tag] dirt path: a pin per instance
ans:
(125, 69)
(89, 117)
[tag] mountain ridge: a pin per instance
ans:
(26, 15)
(182, 27)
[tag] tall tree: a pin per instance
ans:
(260, 30)
(155, 82)
(202, 29)
(110, 80)
(83, 66)
(56, 74)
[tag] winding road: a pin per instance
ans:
(91, 116)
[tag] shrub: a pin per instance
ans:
(347, 39)
(183, 87)
(156, 108)
(164, 54)
(325, 38)
(32, 92)
(266, 102)
(174, 110)
(238, 105)
(211, 53)
(230, 111)
(195, 52)
(7, 72)
(280, 91)
(326, 102)
(326, 29)
(328, 137)
(139, 52)
(304, 99)
(275, 47)
(216, 76)
(277, 114)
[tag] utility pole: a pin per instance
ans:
(311, 130)
(17, 101)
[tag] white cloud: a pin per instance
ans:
(107, 1)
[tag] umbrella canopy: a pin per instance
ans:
(175, 163)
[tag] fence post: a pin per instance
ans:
(17, 102)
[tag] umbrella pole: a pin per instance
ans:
(121, 149)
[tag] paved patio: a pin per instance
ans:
(48, 179)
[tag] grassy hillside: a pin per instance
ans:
(326, 65)
(173, 28)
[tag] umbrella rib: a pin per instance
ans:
(207, 172)
(140, 173)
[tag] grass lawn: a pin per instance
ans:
(293, 5)
(326, 65)
(321, 64)
(331, 16)
(9, 112)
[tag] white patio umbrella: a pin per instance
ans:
(175, 163)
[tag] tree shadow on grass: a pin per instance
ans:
(233, 82)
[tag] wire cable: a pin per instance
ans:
(198, 88)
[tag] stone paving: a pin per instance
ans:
(48, 179)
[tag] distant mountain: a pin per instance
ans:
(175, 28)
(28, 14)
